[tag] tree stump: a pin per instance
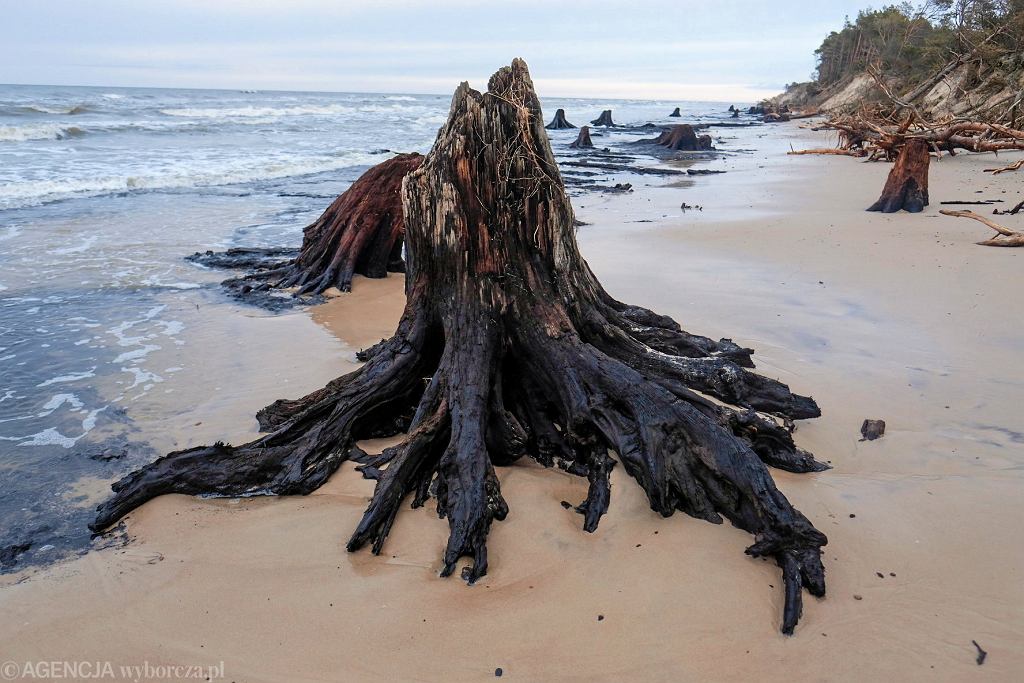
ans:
(907, 184)
(675, 113)
(583, 139)
(682, 137)
(559, 122)
(605, 119)
(510, 347)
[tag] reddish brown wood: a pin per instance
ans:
(907, 184)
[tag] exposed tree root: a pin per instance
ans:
(510, 347)
(1006, 237)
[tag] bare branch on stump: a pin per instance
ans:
(605, 119)
(559, 122)
(583, 139)
(1006, 238)
(907, 184)
(527, 355)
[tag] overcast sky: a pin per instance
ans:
(659, 49)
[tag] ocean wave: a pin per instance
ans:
(64, 111)
(39, 131)
(35, 192)
(250, 111)
(400, 98)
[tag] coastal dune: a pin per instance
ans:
(899, 317)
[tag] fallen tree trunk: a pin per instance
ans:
(523, 353)
(1006, 237)
(605, 119)
(559, 122)
(829, 151)
(907, 184)
(583, 139)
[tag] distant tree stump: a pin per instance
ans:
(559, 122)
(675, 113)
(682, 137)
(907, 185)
(605, 119)
(583, 139)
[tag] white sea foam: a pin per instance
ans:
(74, 377)
(49, 437)
(39, 131)
(229, 172)
(250, 111)
(84, 245)
(57, 401)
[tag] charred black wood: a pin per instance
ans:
(525, 355)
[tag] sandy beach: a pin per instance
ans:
(898, 317)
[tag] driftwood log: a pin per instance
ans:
(559, 122)
(675, 112)
(510, 347)
(605, 119)
(1005, 238)
(907, 184)
(583, 139)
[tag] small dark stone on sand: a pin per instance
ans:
(858, 597)
(498, 672)
(872, 429)
(566, 504)
(852, 515)
(600, 617)
(880, 575)
(892, 573)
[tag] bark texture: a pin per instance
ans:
(907, 184)
(583, 139)
(559, 122)
(510, 347)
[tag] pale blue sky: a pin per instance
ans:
(660, 49)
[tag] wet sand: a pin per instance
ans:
(896, 317)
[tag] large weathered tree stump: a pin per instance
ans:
(583, 139)
(907, 184)
(605, 119)
(559, 122)
(509, 347)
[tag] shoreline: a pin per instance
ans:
(862, 330)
